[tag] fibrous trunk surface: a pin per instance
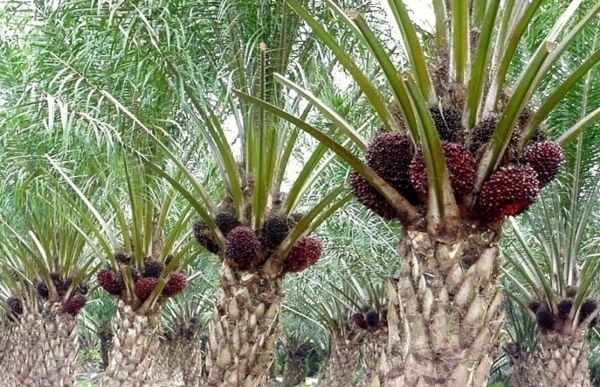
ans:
(343, 359)
(373, 347)
(244, 329)
(559, 361)
(135, 343)
(190, 358)
(43, 349)
(294, 372)
(445, 312)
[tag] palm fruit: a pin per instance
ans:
(372, 318)
(275, 230)
(448, 123)
(110, 281)
(587, 308)
(42, 289)
(16, 306)
(242, 247)
(175, 284)
(564, 306)
(226, 222)
(153, 268)
(306, 252)
(533, 305)
(509, 191)
(482, 133)
(74, 304)
(60, 285)
(544, 318)
(123, 258)
(204, 237)
(390, 154)
(360, 320)
(144, 287)
(370, 198)
(461, 166)
(545, 158)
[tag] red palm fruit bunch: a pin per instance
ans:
(110, 281)
(144, 287)
(225, 221)
(74, 304)
(369, 197)
(242, 247)
(509, 191)
(175, 284)
(546, 158)
(305, 253)
(461, 166)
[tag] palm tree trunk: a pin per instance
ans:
(134, 348)
(373, 347)
(190, 356)
(42, 349)
(445, 310)
(559, 361)
(295, 372)
(343, 359)
(244, 329)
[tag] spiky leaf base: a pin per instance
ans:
(559, 361)
(372, 350)
(244, 329)
(135, 343)
(343, 357)
(43, 350)
(451, 310)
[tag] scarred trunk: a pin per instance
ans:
(134, 348)
(295, 372)
(343, 359)
(190, 358)
(559, 361)
(373, 347)
(43, 351)
(445, 311)
(244, 329)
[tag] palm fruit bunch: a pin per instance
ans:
(509, 191)
(226, 222)
(360, 320)
(152, 268)
(42, 289)
(74, 304)
(175, 284)
(144, 287)
(306, 252)
(461, 166)
(546, 158)
(369, 197)
(548, 320)
(588, 307)
(204, 237)
(110, 281)
(275, 229)
(15, 305)
(448, 122)
(242, 247)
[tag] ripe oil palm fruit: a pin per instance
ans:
(449, 251)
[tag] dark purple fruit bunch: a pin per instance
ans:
(275, 230)
(242, 246)
(360, 320)
(448, 122)
(564, 306)
(74, 304)
(546, 158)
(306, 252)
(15, 305)
(110, 281)
(204, 237)
(175, 284)
(461, 166)
(390, 154)
(533, 305)
(482, 133)
(372, 318)
(588, 307)
(42, 289)
(368, 196)
(509, 191)
(226, 222)
(544, 318)
(153, 268)
(144, 287)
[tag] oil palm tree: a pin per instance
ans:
(461, 150)
(553, 267)
(47, 264)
